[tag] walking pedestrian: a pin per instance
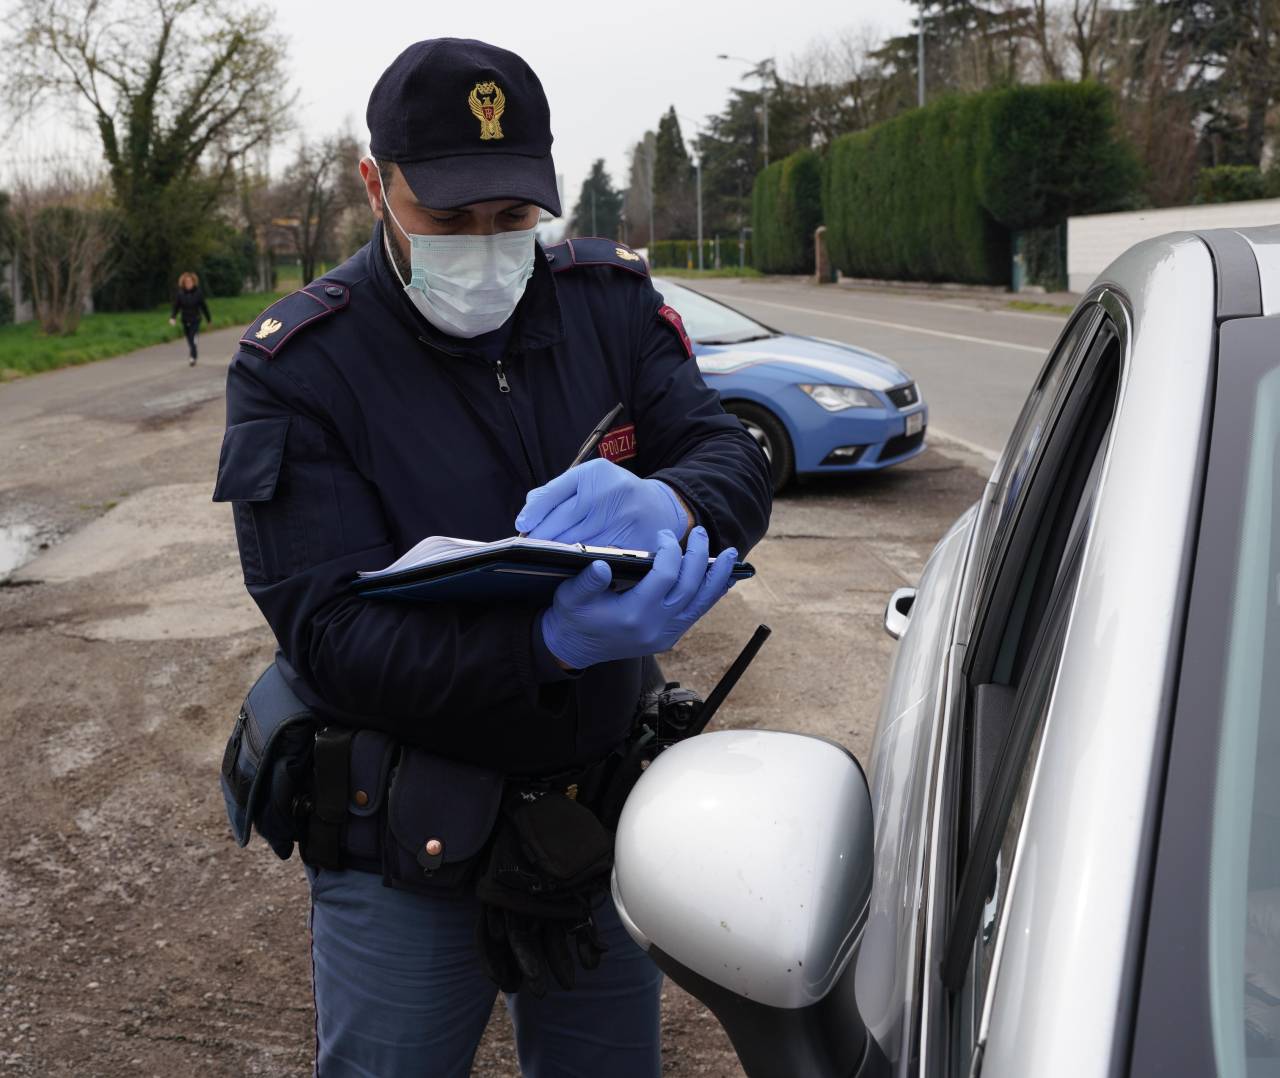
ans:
(189, 300)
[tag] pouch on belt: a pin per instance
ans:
(418, 819)
(440, 814)
(267, 763)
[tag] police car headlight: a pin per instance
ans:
(838, 398)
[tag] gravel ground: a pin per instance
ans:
(135, 938)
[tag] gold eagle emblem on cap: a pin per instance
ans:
(487, 103)
(268, 327)
(623, 253)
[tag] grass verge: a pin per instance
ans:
(1038, 308)
(723, 271)
(24, 349)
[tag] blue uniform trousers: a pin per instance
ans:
(399, 992)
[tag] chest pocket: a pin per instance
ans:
(249, 468)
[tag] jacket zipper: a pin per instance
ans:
(505, 387)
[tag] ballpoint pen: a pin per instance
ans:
(594, 437)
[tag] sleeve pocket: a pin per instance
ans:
(249, 464)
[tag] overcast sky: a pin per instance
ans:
(609, 69)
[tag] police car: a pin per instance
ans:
(1063, 859)
(814, 406)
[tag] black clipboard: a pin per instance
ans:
(514, 574)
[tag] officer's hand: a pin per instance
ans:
(602, 504)
(588, 624)
(172, 322)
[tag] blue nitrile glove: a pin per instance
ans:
(602, 504)
(588, 624)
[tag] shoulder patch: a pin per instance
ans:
(284, 318)
(671, 316)
(595, 252)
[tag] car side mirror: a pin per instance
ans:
(743, 866)
(897, 614)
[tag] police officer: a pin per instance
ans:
(439, 382)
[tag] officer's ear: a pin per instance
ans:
(373, 177)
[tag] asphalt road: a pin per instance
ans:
(974, 362)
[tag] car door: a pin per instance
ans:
(923, 692)
(1023, 580)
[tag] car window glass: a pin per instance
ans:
(1037, 582)
(707, 321)
(1244, 874)
(1017, 601)
(1018, 459)
(1036, 708)
(1069, 504)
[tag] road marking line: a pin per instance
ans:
(886, 325)
(1042, 316)
(981, 450)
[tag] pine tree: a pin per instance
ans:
(599, 208)
(673, 193)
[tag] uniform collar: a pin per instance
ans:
(537, 320)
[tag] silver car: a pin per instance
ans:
(1066, 859)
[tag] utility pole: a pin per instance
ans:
(697, 166)
(760, 69)
(699, 174)
(651, 154)
(594, 231)
(920, 56)
(764, 107)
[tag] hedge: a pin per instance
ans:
(1236, 183)
(1046, 153)
(934, 194)
(786, 208)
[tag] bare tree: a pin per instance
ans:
(1071, 37)
(842, 83)
(316, 188)
(62, 230)
(1149, 75)
(177, 91)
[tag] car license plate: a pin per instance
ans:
(915, 423)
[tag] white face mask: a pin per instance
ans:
(466, 285)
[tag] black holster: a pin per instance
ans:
(327, 822)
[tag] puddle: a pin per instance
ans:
(18, 545)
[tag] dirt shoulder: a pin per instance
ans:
(135, 938)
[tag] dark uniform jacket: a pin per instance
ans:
(355, 429)
(190, 301)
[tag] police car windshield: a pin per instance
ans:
(707, 321)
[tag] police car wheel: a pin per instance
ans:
(771, 436)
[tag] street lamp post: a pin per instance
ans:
(651, 154)
(699, 175)
(697, 166)
(920, 56)
(761, 69)
(764, 115)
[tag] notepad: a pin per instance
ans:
(439, 549)
(445, 569)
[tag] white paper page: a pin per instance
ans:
(436, 549)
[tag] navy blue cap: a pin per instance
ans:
(466, 122)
